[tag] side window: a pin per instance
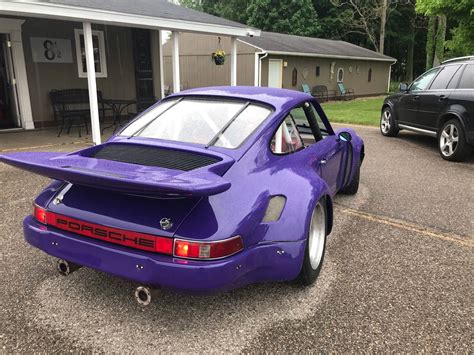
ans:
(444, 77)
(467, 79)
(453, 83)
(325, 131)
(287, 138)
(423, 81)
(302, 122)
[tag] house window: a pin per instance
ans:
(340, 75)
(318, 71)
(99, 53)
(369, 79)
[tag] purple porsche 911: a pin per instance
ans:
(208, 190)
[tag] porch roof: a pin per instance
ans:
(156, 14)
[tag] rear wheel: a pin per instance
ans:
(452, 141)
(387, 124)
(315, 245)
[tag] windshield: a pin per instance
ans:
(210, 122)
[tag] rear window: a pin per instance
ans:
(444, 77)
(222, 123)
(467, 79)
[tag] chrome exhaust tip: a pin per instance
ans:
(144, 295)
(65, 267)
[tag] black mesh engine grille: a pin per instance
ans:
(153, 156)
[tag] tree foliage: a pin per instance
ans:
(296, 17)
(461, 14)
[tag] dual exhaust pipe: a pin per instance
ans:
(143, 294)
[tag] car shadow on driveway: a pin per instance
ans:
(425, 142)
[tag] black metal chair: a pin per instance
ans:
(322, 93)
(71, 106)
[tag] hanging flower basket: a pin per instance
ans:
(218, 57)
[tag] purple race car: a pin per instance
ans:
(208, 190)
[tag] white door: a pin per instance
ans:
(275, 73)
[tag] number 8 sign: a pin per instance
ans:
(51, 50)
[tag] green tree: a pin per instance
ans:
(460, 14)
(296, 17)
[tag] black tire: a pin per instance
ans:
(459, 150)
(387, 125)
(309, 273)
(353, 186)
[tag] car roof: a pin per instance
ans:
(279, 99)
(460, 60)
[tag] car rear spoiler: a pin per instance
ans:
(76, 168)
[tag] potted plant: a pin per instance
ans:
(218, 57)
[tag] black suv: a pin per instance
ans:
(439, 103)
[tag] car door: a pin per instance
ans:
(321, 145)
(408, 104)
(434, 100)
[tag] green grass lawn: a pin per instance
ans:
(363, 111)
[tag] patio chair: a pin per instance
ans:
(322, 93)
(71, 106)
(306, 89)
(344, 93)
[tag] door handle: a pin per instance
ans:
(443, 98)
(416, 97)
(323, 161)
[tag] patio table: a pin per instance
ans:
(117, 106)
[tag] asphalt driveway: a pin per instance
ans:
(397, 276)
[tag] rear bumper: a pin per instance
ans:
(255, 264)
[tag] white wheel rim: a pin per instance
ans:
(317, 234)
(448, 140)
(385, 121)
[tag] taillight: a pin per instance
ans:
(202, 250)
(40, 214)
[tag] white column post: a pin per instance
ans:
(233, 62)
(175, 60)
(162, 77)
(91, 82)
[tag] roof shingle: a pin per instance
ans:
(278, 42)
(152, 8)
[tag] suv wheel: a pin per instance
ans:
(452, 141)
(387, 123)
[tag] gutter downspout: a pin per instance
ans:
(389, 76)
(265, 54)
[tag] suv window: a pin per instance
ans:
(444, 77)
(467, 79)
(423, 81)
(287, 138)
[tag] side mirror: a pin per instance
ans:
(403, 87)
(345, 136)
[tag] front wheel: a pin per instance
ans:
(315, 245)
(452, 141)
(387, 123)
(353, 186)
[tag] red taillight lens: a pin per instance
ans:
(40, 214)
(197, 250)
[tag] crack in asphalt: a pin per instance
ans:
(402, 224)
